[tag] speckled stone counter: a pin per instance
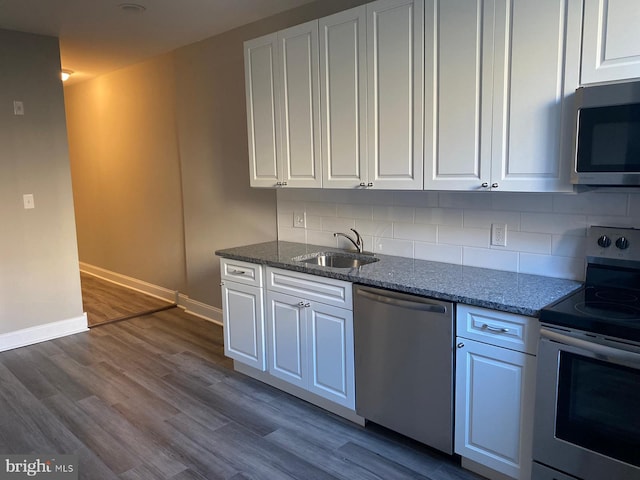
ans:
(482, 287)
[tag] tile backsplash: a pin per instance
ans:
(546, 233)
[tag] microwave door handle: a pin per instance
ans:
(602, 351)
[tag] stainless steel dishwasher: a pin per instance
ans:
(404, 364)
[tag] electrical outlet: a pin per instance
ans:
(18, 107)
(499, 234)
(299, 219)
(27, 200)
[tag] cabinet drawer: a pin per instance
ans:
(310, 287)
(517, 332)
(241, 272)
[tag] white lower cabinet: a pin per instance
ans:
(310, 343)
(495, 390)
(243, 313)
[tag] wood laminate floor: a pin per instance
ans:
(154, 398)
(105, 301)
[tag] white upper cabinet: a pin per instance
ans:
(459, 67)
(395, 46)
(283, 100)
(371, 95)
(503, 110)
(262, 130)
(611, 41)
(343, 84)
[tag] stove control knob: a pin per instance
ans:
(622, 243)
(604, 241)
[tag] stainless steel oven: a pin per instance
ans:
(587, 411)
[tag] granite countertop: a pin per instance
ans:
(499, 290)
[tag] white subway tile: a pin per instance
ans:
(552, 266)
(554, 223)
(391, 246)
(376, 229)
(292, 194)
(337, 224)
(414, 231)
(285, 219)
(375, 197)
(439, 216)
(286, 206)
(438, 252)
(595, 203)
(393, 214)
(528, 242)
(473, 200)
(484, 218)
(471, 237)
(569, 246)
(522, 202)
(287, 234)
(321, 209)
(415, 199)
(487, 258)
(355, 211)
(314, 222)
(316, 237)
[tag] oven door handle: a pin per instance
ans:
(603, 351)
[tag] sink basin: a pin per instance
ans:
(337, 259)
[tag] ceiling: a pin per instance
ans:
(100, 36)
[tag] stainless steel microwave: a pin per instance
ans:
(607, 135)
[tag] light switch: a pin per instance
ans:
(27, 199)
(18, 107)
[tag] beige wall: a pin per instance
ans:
(39, 277)
(126, 173)
(126, 152)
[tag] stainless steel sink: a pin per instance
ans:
(337, 259)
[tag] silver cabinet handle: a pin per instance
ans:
(484, 185)
(494, 329)
(236, 272)
(222, 284)
(278, 184)
(362, 184)
(301, 304)
(494, 185)
(415, 304)
(460, 345)
(307, 305)
(369, 184)
(284, 184)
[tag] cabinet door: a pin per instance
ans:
(331, 357)
(299, 103)
(262, 122)
(243, 319)
(395, 46)
(458, 94)
(343, 98)
(494, 407)
(536, 65)
(286, 333)
(610, 41)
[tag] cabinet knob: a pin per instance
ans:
(460, 345)
(369, 184)
(278, 184)
(484, 185)
(494, 185)
(284, 184)
(307, 305)
(301, 304)
(362, 184)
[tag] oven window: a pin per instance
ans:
(599, 406)
(609, 139)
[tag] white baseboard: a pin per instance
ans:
(42, 333)
(199, 309)
(132, 283)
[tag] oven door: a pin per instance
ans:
(587, 415)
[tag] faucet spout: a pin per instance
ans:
(358, 243)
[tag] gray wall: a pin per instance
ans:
(39, 277)
(134, 127)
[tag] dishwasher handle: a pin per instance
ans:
(417, 304)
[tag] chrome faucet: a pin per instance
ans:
(358, 243)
